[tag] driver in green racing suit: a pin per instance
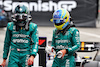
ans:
(65, 41)
(21, 39)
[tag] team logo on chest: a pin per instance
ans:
(20, 35)
(20, 40)
(62, 41)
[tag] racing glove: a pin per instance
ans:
(49, 49)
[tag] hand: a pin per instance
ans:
(30, 60)
(4, 62)
(61, 53)
(49, 49)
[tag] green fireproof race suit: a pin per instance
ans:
(22, 44)
(69, 41)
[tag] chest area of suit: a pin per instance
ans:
(60, 38)
(21, 36)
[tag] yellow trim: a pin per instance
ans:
(82, 46)
(60, 26)
(51, 20)
(9, 26)
(62, 12)
(54, 56)
(67, 13)
(86, 57)
(32, 27)
(21, 28)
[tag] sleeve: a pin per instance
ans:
(6, 43)
(75, 42)
(34, 38)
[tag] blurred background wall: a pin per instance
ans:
(83, 12)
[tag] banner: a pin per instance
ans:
(41, 52)
(40, 59)
(83, 12)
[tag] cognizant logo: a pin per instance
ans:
(41, 6)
